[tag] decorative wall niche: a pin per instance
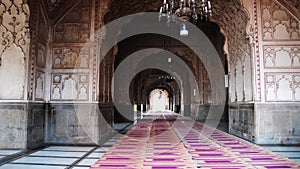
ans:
(239, 81)
(70, 58)
(40, 85)
(12, 73)
(232, 86)
(70, 87)
(41, 56)
(277, 23)
(282, 57)
(14, 17)
(282, 86)
(248, 80)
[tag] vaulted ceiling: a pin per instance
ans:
(293, 6)
(56, 9)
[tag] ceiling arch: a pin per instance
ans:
(230, 15)
(293, 6)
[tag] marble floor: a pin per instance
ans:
(5, 153)
(291, 152)
(61, 157)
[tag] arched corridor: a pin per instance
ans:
(77, 75)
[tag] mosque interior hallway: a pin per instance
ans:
(161, 141)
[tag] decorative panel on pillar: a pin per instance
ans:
(282, 57)
(70, 87)
(282, 86)
(71, 55)
(40, 85)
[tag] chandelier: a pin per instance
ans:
(186, 10)
(166, 78)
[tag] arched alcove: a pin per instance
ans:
(12, 66)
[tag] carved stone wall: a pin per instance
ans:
(13, 126)
(64, 125)
(277, 71)
(79, 123)
(277, 22)
(22, 125)
(36, 125)
(282, 57)
(280, 51)
(76, 25)
(277, 123)
(200, 73)
(282, 87)
(74, 75)
(39, 25)
(14, 31)
(234, 22)
(71, 55)
(242, 121)
(70, 87)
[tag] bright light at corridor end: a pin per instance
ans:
(144, 23)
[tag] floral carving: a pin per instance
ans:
(14, 27)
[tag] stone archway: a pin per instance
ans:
(233, 19)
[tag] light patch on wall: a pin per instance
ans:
(284, 91)
(281, 32)
(83, 93)
(39, 88)
(69, 90)
(280, 15)
(283, 59)
(296, 62)
(248, 79)
(239, 81)
(232, 84)
(271, 93)
(56, 93)
(297, 93)
(12, 73)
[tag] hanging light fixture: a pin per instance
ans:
(186, 10)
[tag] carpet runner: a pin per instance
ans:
(169, 141)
